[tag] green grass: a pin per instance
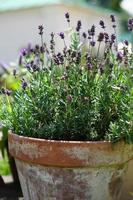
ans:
(4, 166)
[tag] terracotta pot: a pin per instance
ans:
(63, 170)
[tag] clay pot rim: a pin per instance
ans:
(65, 141)
(68, 153)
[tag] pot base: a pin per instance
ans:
(57, 183)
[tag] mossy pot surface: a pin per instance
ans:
(70, 170)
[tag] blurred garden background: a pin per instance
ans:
(19, 20)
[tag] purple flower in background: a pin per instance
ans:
(91, 32)
(24, 52)
(67, 16)
(100, 37)
(14, 72)
(20, 60)
(40, 29)
(106, 36)
(6, 91)
(119, 56)
(24, 84)
(89, 66)
(126, 42)
(130, 24)
(92, 43)
(102, 24)
(112, 18)
(61, 34)
(84, 35)
(113, 37)
(78, 25)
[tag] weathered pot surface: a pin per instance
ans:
(63, 170)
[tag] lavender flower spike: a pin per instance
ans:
(61, 34)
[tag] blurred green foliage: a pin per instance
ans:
(111, 4)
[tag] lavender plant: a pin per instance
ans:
(80, 93)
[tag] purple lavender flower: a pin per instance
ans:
(29, 48)
(24, 52)
(126, 42)
(91, 32)
(106, 36)
(112, 18)
(102, 24)
(24, 84)
(92, 43)
(78, 25)
(40, 29)
(20, 60)
(100, 37)
(89, 66)
(130, 24)
(67, 15)
(113, 37)
(119, 56)
(28, 66)
(6, 91)
(61, 34)
(14, 72)
(84, 35)
(37, 47)
(42, 50)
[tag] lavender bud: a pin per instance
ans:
(106, 36)
(40, 29)
(78, 25)
(20, 60)
(130, 21)
(100, 37)
(126, 42)
(114, 26)
(119, 56)
(28, 66)
(24, 84)
(102, 24)
(8, 92)
(37, 47)
(42, 50)
(24, 53)
(67, 15)
(61, 34)
(92, 43)
(112, 18)
(84, 35)
(91, 32)
(113, 37)
(14, 72)
(89, 66)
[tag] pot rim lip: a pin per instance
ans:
(66, 141)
